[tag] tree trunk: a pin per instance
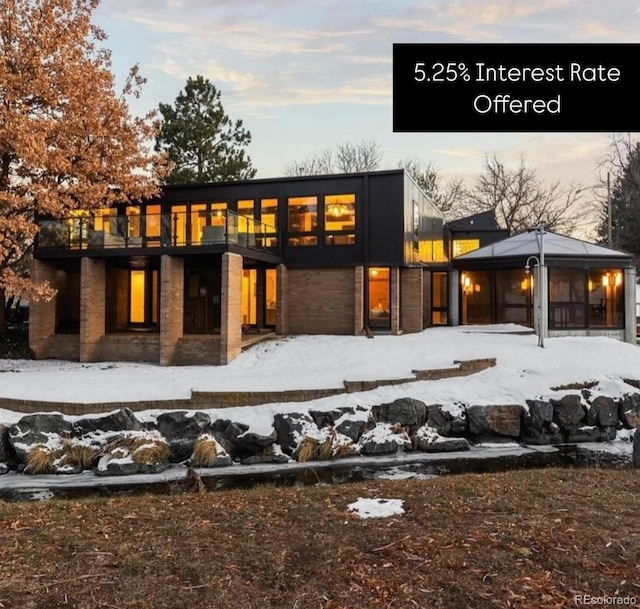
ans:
(636, 449)
(3, 313)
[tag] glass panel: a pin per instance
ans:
(379, 298)
(439, 298)
(339, 213)
(271, 297)
(606, 298)
(153, 224)
(67, 302)
(179, 224)
(341, 239)
(303, 218)
(102, 218)
(201, 301)
(295, 241)
(269, 212)
(155, 297)
(462, 246)
(567, 298)
(513, 297)
(249, 279)
(199, 219)
(476, 297)
(246, 208)
(133, 224)
(136, 298)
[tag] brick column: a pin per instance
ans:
(92, 307)
(42, 313)
(231, 308)
(282, 300)
(394, 271)
(171, 307)
(411, 300)
(359, 300)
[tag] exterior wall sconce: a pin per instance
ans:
(605, 280)
(524, 285)
(618, 279)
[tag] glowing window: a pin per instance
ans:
(462, 246)
(136, 293)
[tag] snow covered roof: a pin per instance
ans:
(528, 244)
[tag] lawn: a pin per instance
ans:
(517, 539)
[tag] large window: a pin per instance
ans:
(567, 298)
(303, 221)
(439, 298)
(67, 301)
(379, 298)
(132, 299)
(462, 246)
(271, 297)
(269, 216)
(340, 219)
(606, 298)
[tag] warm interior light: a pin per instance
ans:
(373, 272)
(605, 280)
(590, 285)
(338, 210)
(618, 279)
(524, 285)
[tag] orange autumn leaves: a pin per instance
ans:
(67, 138)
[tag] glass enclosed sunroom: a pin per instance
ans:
(589, 289)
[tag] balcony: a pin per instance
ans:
(202, 229)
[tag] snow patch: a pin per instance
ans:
(377, 508)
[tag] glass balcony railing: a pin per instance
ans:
(176, 229)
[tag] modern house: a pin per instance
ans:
(190, 277)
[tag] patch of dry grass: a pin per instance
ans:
(527, 539)
(205, 452)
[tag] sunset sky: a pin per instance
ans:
(304, 75)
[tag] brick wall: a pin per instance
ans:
(411, 299)
(198, 350)
(395, 300)
(92, 308)
(321, 301)
(426, 299)
(359, 300)
(130, 347)
(282, 301)
(171, 307)
(42, 314)
(231, 308)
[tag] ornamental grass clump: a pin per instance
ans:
(206, 451)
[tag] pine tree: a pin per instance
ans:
(203, 143)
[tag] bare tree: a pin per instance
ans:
(445, 195)
(520, 200)
(343, 158)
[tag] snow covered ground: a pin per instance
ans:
(523, 371)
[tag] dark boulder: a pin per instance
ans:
(354, 427)
(603, 412)
(405, 411)
(586, 433)
(636, 449)
(608, 434)
(383, 440)
(568, 412)
(3, 468)
(427, 439)
(6, 451)
(537, 424)
(629, 410)
(268, 455)
(290, 429)
(37, 429)
(240, 443)
(121, 420)
(180, 429)
(490, 420)
(328, 418)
